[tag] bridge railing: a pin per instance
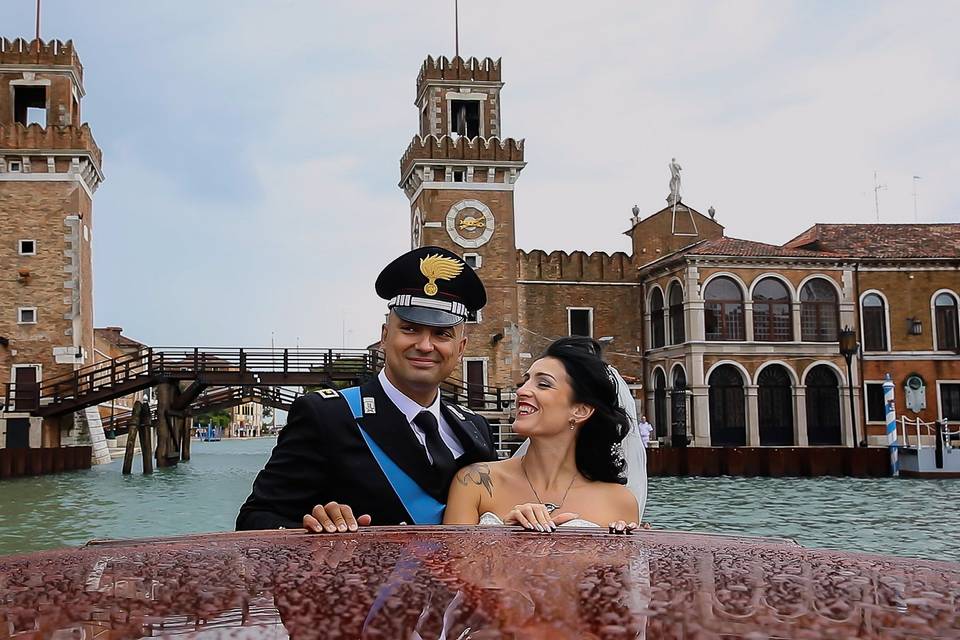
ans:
(139, 368)
(133, 371)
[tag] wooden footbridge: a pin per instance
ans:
(194, 381)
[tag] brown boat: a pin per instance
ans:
(477, 582)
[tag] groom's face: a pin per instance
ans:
(420, 356)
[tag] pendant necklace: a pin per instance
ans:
(551, 507)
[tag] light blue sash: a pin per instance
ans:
(421, 506)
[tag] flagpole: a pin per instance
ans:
(456, 27)
(38, 31)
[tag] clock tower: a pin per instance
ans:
(459, 174)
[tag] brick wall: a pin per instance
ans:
(543, 313)
(37, 211)
(654, 237)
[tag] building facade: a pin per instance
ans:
(730, 342)
(50, 168)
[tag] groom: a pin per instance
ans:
(385, 452)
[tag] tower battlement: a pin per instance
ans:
(34, 138)
(458, 70)
(471, 149)
(53, 53)
(538, 265)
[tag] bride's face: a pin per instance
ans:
(545, 402)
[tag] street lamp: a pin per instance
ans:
(848, 347)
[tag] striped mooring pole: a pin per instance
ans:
(888, 388)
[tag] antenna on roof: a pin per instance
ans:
(916, 196)
(876, 194)
(456, 27)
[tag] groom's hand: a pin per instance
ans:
(333, 517)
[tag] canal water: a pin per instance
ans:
(917, 518)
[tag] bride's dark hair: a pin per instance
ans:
(598, 456)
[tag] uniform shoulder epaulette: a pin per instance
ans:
(459, 410)
(327, 394)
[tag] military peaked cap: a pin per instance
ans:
(431, 286)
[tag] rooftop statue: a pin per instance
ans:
(675, 168)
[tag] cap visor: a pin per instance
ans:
(428, 317)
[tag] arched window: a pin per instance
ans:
(723, 310)
(818, 311)
(660, 403)
(728, 420)
(656, 319)
(823, 406)
(775, 400)
(678, 406)
(874, 323)
(678, 332)
(945, 315)
(771, 312)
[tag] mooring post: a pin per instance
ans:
(888, 399)
(164, 437)
(132, 438)
(146, 441)
(185, 439)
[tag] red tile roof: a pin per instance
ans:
(748, 248)
(882, 240)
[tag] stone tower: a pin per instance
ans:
(50, 168)
(459, 175)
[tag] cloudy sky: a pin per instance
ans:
(251, 147)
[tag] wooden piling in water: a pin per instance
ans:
(132, 438)
(185, 439)
(146, 444)
(164, 439)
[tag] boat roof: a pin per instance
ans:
(459, 582)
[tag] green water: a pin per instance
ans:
(905, 517)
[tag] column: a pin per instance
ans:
(753, 416)
(795, 318)
(800, 417)
(847, 435)
(693, 306)
(701, 412)
(748, 320)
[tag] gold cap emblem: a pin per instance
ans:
(436, 267)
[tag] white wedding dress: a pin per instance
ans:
(491, 519)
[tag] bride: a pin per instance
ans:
(572, 471)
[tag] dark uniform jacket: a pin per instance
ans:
(321, 457)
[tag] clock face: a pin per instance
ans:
(416, 230)
(470, 223)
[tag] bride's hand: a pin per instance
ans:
(622, 527)
(535, 517)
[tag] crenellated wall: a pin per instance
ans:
(577, 266)
(51, 138)
(458, 69)
(467, 149)
(20, 51)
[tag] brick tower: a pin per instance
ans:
(459, 176)
(49, 171)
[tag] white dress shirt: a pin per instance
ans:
(411, 409)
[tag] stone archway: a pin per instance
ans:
(775, 404)
(728, 417)
(823, 406)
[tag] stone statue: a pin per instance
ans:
(674, 196)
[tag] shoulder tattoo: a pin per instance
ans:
(478, 474)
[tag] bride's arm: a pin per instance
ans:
(466, 493)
